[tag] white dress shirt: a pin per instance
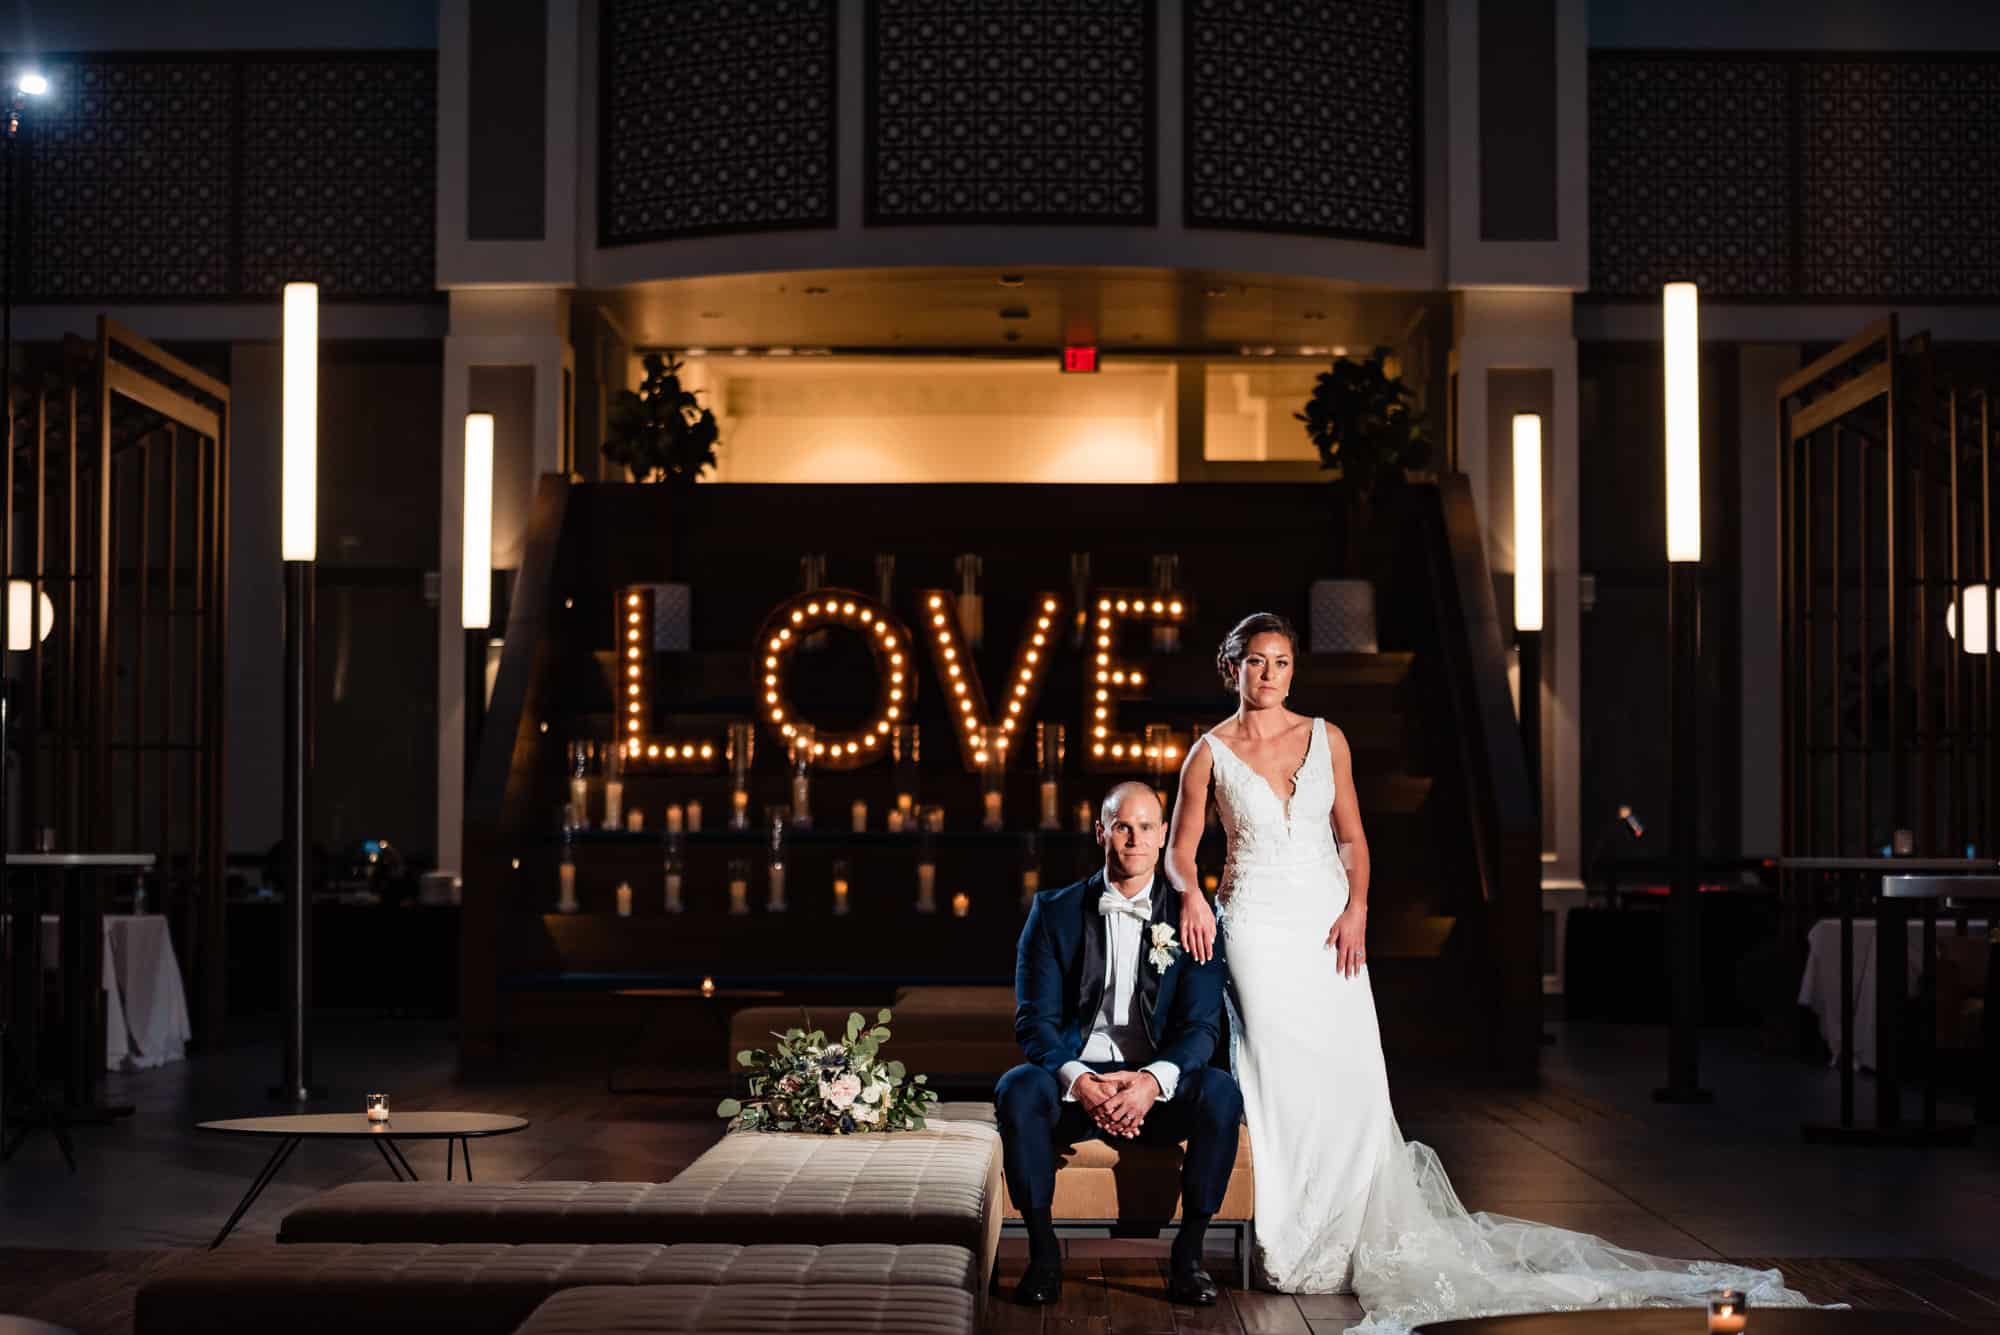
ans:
(1118, 1035)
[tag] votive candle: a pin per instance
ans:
(708, 987)
(992, 819)
(927, 887)
(776, 901)
(624, 899)
(566, 874)
(907, 804)
(378, 1107)
(674, 904)
(1726, 1315)
(739, 897)
(893, 822)
(739, 809)
(840, 898)
(961, 904)
(1031, 885)
(694, 818)
(1084, 823)
(676, 819)
(859, 814)
(635, 820)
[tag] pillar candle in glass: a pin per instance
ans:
(775, 900)
(803, 744)
(1031, 868)
(579, 780)
(971, 607)
(676, 819)
(840, 889)
(961, 904)
(673, 871)
(904, 740)
(739, 886)
(635, 820)
(1166, 578)
(566, 875)
(933, 819)
(926, 872)
(1727, 1314)
(992, 790)
(624, 899)
(694, 817)
(614, 786)
(858, 816)
(742, 748)
(377, 1106)
(1086, 819)
(1049, 751)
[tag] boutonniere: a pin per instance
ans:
(1165, 947)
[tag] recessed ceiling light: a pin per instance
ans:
(1013, 312)
(739, 352)
(1215, 292)
(1339, 350)
(1011, 280)
(694, 352)
(711, 315)
(815, 291)
(778, 352)
(1315, 315)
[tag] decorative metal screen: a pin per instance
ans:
(1795, 176)
(715, 116)
(222, 177)
(1011, 111)
(1305, 117)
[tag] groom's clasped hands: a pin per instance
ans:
(1118, 1101)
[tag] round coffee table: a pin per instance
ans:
(1684, 1320)
(454, 1128)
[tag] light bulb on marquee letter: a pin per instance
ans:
(633, 637)
(982, 725)
(1107, 679)
(837, 609)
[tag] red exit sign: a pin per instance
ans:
(1080, 359)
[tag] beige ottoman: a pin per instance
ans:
(489, 1289)
(939, 1185)
(757, 1309)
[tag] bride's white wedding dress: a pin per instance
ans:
(1343, 1201)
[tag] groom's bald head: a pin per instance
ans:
(1132, 826)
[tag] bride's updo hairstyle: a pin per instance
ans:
(1236, 644)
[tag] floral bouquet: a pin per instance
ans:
(837, 1088)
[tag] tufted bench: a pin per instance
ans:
(939, 1185)
(489, 1289)
(757, 1309)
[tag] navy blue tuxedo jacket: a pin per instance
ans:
(1059, 982)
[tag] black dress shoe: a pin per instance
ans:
(1192, 1286)
(1042, 1284)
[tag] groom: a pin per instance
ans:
(1118, 1025)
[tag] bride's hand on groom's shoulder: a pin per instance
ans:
(1197, 927)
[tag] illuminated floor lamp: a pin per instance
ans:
(1682, 368)
(298, 544)
(475, 605)
(1528, 593)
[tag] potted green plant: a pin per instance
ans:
(661, 433)
(1363, 421)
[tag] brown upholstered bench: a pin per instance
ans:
(489, 1289)
(958, 1036)
(940, 1185)
(757, 1309)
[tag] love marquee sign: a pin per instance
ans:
(987, 727)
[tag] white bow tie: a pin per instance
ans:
(1111, 902)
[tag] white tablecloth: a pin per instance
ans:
(1819, 989)
(145, 1008)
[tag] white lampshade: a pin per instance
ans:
(1982, 620)
(1683, 404)
(298, 537)
(1527, 521)
(23, 627)
(476, 597)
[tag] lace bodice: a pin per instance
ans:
(1264, 829)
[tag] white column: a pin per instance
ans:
(522, 327)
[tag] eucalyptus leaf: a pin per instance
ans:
(728, 1108)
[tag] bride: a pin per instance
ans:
(1343, 1201)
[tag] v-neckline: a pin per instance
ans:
(1284, 803)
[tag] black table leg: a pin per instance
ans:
(465, 1145)
(397, 1150)
(263, 1180)
(394, 1171)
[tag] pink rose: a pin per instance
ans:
(842, 1090)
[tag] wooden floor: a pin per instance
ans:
(1588, 1150)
